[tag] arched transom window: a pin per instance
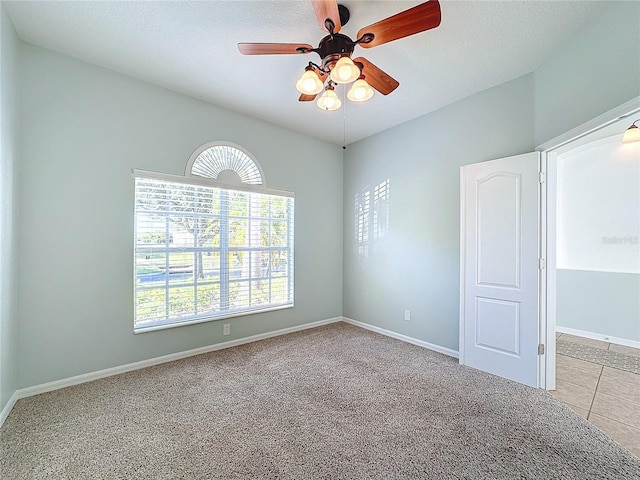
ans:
(226, 163)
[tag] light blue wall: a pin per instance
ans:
(595, 71)
(417, 266)
(606, 303)
(85, 128)
(9, 151)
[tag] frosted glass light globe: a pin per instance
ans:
(329, 100)
(360, 91)
(632, 134)
(309, 83)
(344, 71)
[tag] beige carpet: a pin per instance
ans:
(335, 402)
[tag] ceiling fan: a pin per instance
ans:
(336, 49)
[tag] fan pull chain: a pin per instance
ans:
(344, 118)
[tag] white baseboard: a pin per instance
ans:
(108, 372)
(8, 407)
(598, 336)
(404, 338)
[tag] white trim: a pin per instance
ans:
(545, 336)
(627, 109)
(596, 270)
(567, 151)
(8, 407)
(404, 338)
(549, 161)
(599, 336)
(129, 367)
(208, 182)
(463, 261)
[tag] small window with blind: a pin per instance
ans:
(205, 250)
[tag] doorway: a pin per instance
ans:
(486, 333)
(593, 275)
(605, 126)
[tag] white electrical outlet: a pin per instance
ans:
(226, 329)
(407, 315)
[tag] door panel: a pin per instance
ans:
(498, 233)
(498, 325)
(499, 267)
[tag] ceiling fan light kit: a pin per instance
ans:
(335, 51)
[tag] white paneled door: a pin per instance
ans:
(500, 267)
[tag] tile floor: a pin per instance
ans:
(607, 397)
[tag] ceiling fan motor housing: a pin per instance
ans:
(332, 47)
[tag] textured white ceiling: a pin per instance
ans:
(190, 47)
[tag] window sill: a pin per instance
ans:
(175, 324)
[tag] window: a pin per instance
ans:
(212, 159)
(204, 251)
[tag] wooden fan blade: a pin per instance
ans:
(376, 77)
(307, 98)
(273, 48)
(327, 9)
(415, 20)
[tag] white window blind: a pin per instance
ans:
(204, 252)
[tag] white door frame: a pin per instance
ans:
(547, 367)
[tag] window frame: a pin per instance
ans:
(213, 183)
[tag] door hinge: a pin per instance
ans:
(542, 177)
(541, 349)
(542, 263)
